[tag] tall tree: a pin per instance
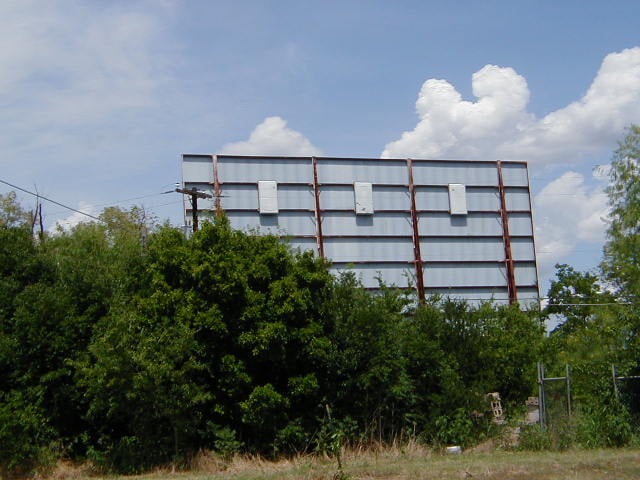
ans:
(621, 261)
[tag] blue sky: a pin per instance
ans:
(99, 99)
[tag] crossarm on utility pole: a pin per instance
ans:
(195, 195)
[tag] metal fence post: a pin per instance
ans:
(541, 405)
(568, 377)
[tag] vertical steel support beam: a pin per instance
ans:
(318, 211)
(217, 189)
(506, 238)
(416, 235)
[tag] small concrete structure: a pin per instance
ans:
(533, 411)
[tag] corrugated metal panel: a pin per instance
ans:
(296, 196)
(498, 295)
(446, 172)
(240, 196)
(340, 197)
(526, 274)
(336, 197)
(197, 168)
(474, 224)
(344, 223)
(432, 198)
(517, 199)
(391, 198)
(437, 198)
(484, 198)
(302, 244)
(464, 275)
(462, 249)
(252, 169)
(528, 297)
(337, 170)
(369, 274)
(246, 196)
(522, 249)
(520, 224)
(515, 174)
(369, 249)
(285, 223)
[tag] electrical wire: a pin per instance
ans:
(37, 195)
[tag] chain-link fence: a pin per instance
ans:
(556, 402)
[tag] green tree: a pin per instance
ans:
(11, 213)
(367, 381)
(237, 326)
(24, 429)
(575, 298)
(141, 379)
(621, 261)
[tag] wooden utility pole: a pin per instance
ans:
(195, 195)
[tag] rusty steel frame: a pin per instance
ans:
(217, 189)
(416, 235)
(316, 194)
(508, 255)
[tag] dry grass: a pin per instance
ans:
(412, 462)
(65, 470)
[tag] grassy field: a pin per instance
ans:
(413, 463)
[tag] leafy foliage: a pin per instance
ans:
(621, 261)
(601, 325)
(24, 433)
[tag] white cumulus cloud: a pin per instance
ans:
(450, 126)
(273, 137)
(568, 212)
(76, 217)
(497, 124)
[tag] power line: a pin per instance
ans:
(587, 304)
(37, 195)
(130, 199)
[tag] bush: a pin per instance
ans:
(605, 425)
(226, 444)
(534, 438)
(24, 436)
(456, 429)
(595, 425)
